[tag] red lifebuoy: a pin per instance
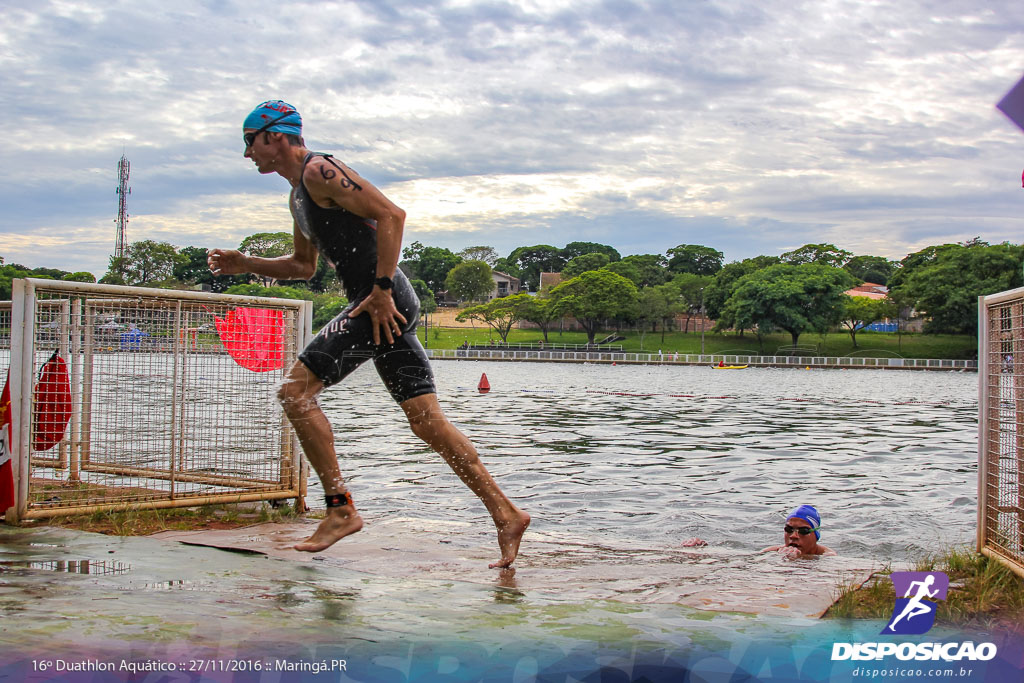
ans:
(51, 410)
(6, 466)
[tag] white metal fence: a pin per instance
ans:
(135, 397)
(1001, 427)
(708, 359)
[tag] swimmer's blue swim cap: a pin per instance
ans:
(286, 118)
(809, 515)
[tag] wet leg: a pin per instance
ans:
(298, 394)
(429, 423)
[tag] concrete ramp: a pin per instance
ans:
(709, 578)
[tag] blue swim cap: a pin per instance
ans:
(286, 118)
(809, 515)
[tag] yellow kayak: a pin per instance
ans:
(729, 367)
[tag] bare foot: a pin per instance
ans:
(339, 523)
(509, 535)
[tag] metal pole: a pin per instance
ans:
(703, 320)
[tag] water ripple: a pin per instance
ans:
(663, 453)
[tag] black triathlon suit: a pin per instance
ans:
(349, 243)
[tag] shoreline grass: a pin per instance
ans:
(132, 522)
(983, 593)
(869, 344)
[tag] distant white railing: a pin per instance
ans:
(706, 359)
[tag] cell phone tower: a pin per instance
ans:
(123, 169)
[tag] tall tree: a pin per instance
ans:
(574, 249)
(919, 259)
(148, 262)
(503, 265)
(789, 297)
(500, 314)
(268, 245)
(428, 304)
(470, 280)
(653, 306)
(433, 266)
(532, 261)
(652, 267)
(584, 262)
(823, 254)
(626, 269)
(486, 254)
(413, 252)
(718, 291)
(594, 297)
(694, 258)
(541, 311)
(946, 288)
(861, 311)
(689, 293)
(875, 269)
(80, 276)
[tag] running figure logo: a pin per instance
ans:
(914, 613)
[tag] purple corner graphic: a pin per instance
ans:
(916, 596)
(1012, 104)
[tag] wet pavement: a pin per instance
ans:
(563, 565)
(78, 606)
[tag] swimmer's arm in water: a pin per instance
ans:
(299, 265)
(331, 182)
(795, 552)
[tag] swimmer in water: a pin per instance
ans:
(342, 217)
(802, 533)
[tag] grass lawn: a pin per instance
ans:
(869, 344)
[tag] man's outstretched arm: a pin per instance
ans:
(299, 265)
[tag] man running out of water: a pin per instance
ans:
(342, 217)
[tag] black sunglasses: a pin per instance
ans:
(802, 530)
(250, 138)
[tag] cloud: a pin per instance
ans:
(754, 126)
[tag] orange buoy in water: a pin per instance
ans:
(484, 385)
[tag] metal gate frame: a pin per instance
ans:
(1001, 428)
(22, 373)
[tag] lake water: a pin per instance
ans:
(612, 462)
(657, 454)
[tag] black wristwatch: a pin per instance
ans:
(384, 282)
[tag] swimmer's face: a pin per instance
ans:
(259, 151)
(805, 542)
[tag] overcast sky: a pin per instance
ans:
(750, 127)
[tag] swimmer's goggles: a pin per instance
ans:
(802, 530)
(250, 138)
